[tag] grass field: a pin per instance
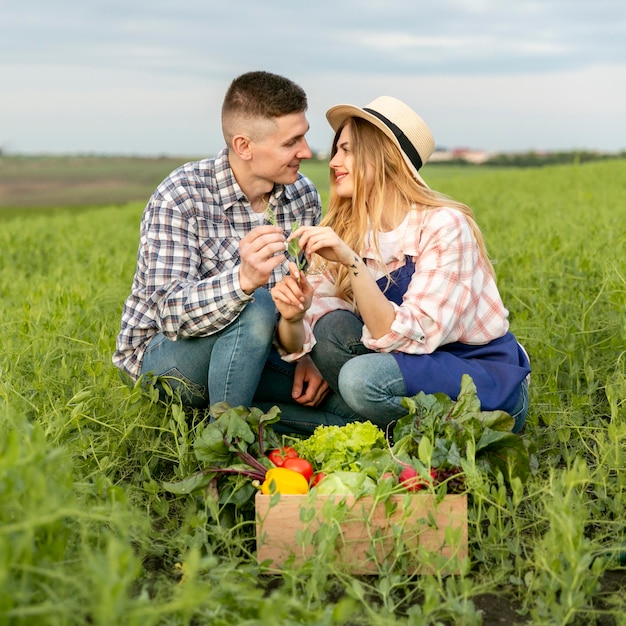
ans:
(49, 181)
(36, 182)
(88, 535)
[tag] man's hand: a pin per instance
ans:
(309, 388)
(260, 251)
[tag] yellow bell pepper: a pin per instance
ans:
(286, 481)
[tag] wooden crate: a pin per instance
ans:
(367, 534)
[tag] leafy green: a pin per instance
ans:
(346, 483)
(293, 248)
(440, 432)
(332, 448)
(269, 215)
(232, 448)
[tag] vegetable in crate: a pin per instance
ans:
(232, 450)
(302, 466)
(279, 455)
(288, 458)
(284, 481)
(346, 483)
(332, 448)
(440, 433)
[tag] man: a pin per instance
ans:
(199, 314)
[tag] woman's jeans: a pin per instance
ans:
(370, 383)
(238, 365)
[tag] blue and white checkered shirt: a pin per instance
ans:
(187, 279)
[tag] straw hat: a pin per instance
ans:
(398, 121)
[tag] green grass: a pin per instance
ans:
(52, 181)
(88, 535)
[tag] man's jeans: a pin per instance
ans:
(372, 385)
(223, 367)
(230, 366)
(275, 389)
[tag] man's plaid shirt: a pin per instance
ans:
(187, 279)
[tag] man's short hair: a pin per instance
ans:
(260, 95)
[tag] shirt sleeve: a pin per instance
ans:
(183, 303)
(440, 289)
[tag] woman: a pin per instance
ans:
(405, 298)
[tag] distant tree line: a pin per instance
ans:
(537, 159)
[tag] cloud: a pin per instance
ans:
(139, 76)
(552, 110)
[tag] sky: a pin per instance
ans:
(139, 77)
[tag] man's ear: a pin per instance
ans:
(241, 147)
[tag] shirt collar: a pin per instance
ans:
(410, 243)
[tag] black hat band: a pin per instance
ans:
(407, 147)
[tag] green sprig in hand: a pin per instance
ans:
(293, 248)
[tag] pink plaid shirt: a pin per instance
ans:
(452, 295)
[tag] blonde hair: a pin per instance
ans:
(375, 154)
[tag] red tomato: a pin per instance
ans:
(278, 456)
(302, 466)
(275, 457)
(317, 478)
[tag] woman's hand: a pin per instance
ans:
(292, 295)
(324, 241)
